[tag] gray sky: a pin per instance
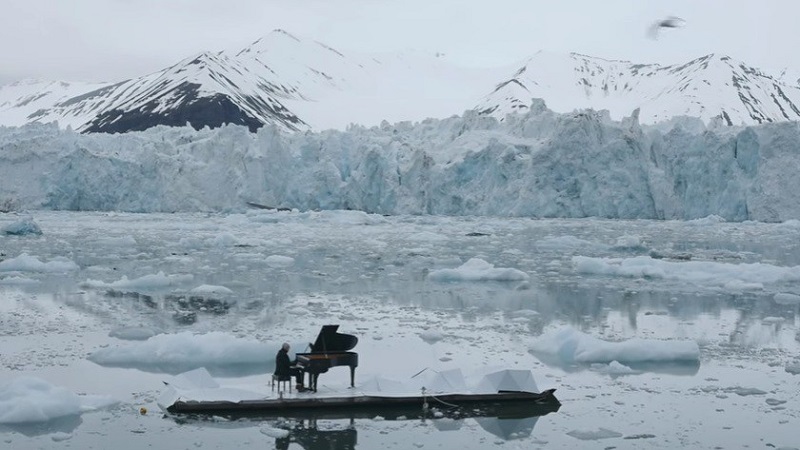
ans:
(109, 40)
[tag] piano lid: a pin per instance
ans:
(329, 341)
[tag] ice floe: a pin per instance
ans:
(210, 289)
(179, 352)
(476, 269)
(594, 434)
(28, 263)
(725, 275)
(22, 227)
(134, 333)
(568, 346)
(152, 281)
(785, 298)
(33, 400)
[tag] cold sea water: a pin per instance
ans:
(78, 289)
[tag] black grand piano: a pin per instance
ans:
(329, 350)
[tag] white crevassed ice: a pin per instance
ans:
(540, 164)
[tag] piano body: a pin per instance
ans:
(329, 350)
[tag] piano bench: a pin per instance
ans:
(282, 382)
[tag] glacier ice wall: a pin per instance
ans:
(541, 164)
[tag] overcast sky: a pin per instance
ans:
(107, 40)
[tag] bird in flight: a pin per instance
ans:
(669, 22)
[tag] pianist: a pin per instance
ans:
(284, 368)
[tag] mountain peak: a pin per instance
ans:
(283, 33)
(272, 41)
(301, 84)
(713, 85)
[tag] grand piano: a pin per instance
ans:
(329, 350)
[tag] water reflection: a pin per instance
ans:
(309, 437)
(66, 425)
(680, 368)
(331, 430)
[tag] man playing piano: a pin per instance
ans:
(284, 368)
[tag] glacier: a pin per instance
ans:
(539, 164)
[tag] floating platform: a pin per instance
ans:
(305, 405)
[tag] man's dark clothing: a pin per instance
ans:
(284, 369)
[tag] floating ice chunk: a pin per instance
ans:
(60, 436)
(640, 436)
(784, 298)
(793, 368)
(744, 392)
(570, 346)
(431, 336)
(772, 320)
(190, 243)
(152, 281)
(477, 269)
(224, 240)
(33, 400)
(210, 289)
(733, 276)
(593, 435)
(346, 217)
(18, 281)
(22, 227)
(179, 352)
(631, 242)
(614, 368)
(741, 286)
(27, 263)
(712, 219)
(134, 333)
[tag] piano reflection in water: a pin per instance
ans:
(329, 350)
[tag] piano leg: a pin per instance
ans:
(352, 376)
(313, 380)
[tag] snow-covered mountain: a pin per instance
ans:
(711, 87)
(300, 84)
(207, 89)
(279, 79)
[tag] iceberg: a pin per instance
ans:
(569, 346)
(477, 269)
(26, 400)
